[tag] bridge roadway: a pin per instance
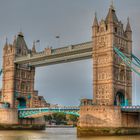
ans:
(38, 112)
(55, 56)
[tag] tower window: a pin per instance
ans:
(115, 29)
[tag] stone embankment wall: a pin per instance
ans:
(107, 120)
(100, 116)
(8, 116)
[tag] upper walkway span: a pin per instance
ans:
(55, 56)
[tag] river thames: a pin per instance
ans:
(57, 134)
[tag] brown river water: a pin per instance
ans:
(57, 134)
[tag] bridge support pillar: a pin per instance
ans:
(8, 116)
(107, 120)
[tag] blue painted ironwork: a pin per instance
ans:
(136, 58)
(126, 102)
(29, 96)
(128, 61)
(15, 94)
(22, 103)
(119, 99)
(1, 72)
(30, 112)
(130, 108)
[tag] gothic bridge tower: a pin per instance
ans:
(18, 80)
(112, 79)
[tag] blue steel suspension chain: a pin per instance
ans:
(127, 61)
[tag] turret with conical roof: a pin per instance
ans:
(111, 16)
(33, 48)
(95, 22)
(128, 30)
(21, 47)
(95, 25)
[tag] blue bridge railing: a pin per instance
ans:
(31, 112)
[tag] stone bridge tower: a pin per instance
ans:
(18, 80)
(112, 78)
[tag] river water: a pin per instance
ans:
(56, 134)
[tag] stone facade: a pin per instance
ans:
(39, 101)
(112, 81)
(8, 116)
(18, 79)
(100, 116)
(111, 75)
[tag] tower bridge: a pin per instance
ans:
(110, 111)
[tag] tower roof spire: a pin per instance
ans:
(128, 27)
(112, 4)
(33, 48)
(95, 22)
(6, 42)
(111, 16)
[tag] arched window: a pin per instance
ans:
(21, 102)
(119, 99)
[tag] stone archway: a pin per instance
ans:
(119, 99)
(21, 102)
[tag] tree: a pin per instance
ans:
(73, 118)
(59, 118)
(48, 118)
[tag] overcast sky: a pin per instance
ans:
(64, 84)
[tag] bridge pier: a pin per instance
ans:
(107, 120)
(9, 121)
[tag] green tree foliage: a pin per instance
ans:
(48, 118)
(59, 117)
(73, 118)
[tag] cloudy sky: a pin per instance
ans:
(43, 20)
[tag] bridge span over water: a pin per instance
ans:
(38, 112)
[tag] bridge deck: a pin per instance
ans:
(55, 56)
(130, 108)
(37, 112)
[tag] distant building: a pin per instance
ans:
(39, 101)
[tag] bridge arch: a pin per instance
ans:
(119, 99)
(21, 102)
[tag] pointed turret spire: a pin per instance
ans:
(111, 16)
(6, 42)
(128, 27)
(95, 23)
(112, 4)
(33, 48)
(20, 34)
